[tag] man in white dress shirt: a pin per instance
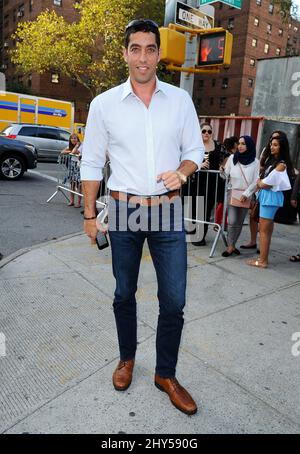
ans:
(152, 135)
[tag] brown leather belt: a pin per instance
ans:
(144, 200)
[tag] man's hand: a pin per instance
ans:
(243, 198)
(90, 228)
(171, 180)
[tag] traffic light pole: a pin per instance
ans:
(187, 79)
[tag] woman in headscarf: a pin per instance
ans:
(242, 168)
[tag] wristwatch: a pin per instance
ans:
(183, 178)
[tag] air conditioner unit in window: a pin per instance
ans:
(230, 27)
(5, 44)
(4, 66)
(20, 13)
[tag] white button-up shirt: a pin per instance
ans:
(141, 142)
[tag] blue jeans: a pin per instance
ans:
(168, 252)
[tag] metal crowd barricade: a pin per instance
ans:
(200, 196)
(68, 179)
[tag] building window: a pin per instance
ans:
(269, 28)
(219, 23)
(55, 78)
(220, 5)
(57, 2)
(30, 5)
(201, 84)
(290, 26)
(20, 80)
(271, 8)
(87, 106)
(256, 21)
(254, 42)
(29, 80)
(295, 29)
(266, 48)
(213, 82)
(222, 102)
(230, 25)
(250, 82)
(258, 2)
(252, 62)
(278, 51)
(225, 82)
(6, 20)
(280, 32)
(211, 101)
(247, 102)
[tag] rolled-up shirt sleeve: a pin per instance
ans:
(192, 147)
(95, 144)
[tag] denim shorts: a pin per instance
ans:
(267, 212)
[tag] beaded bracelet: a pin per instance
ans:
(89, 219)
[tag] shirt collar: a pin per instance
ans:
(127, 88)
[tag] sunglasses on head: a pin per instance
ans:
(138, 22)
(209, 131)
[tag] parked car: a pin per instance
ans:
(15, 158)
(48, 140)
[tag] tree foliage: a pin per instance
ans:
(286, 7)
(89, 50)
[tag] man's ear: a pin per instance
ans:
(125, 54)
(159, 55)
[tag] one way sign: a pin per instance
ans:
(192, 17)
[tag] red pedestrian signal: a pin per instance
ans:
(215, 48)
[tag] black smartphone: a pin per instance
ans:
(101, 240)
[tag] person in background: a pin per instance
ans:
(242, 168)
(270, 195)
(205, 184)
(295, 202)
(231, 146)
(265, 158)
(74, 151)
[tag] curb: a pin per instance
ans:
(20, 252)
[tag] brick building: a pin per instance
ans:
(258, 32)
(49, 85)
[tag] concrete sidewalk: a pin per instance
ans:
(236, 353)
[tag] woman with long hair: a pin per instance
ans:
(265, 156)
(73, 150)
(278, 169)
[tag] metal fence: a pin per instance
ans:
(202, 196)
(68, 179)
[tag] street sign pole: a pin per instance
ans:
(186, 79)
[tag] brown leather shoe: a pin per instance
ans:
(122, 376)
(179, 397)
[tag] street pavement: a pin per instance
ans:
(238, 358)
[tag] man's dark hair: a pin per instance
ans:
(142, 25)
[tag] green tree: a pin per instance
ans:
(89, 50)
(286, 7)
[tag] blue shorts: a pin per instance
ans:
(267, 212)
